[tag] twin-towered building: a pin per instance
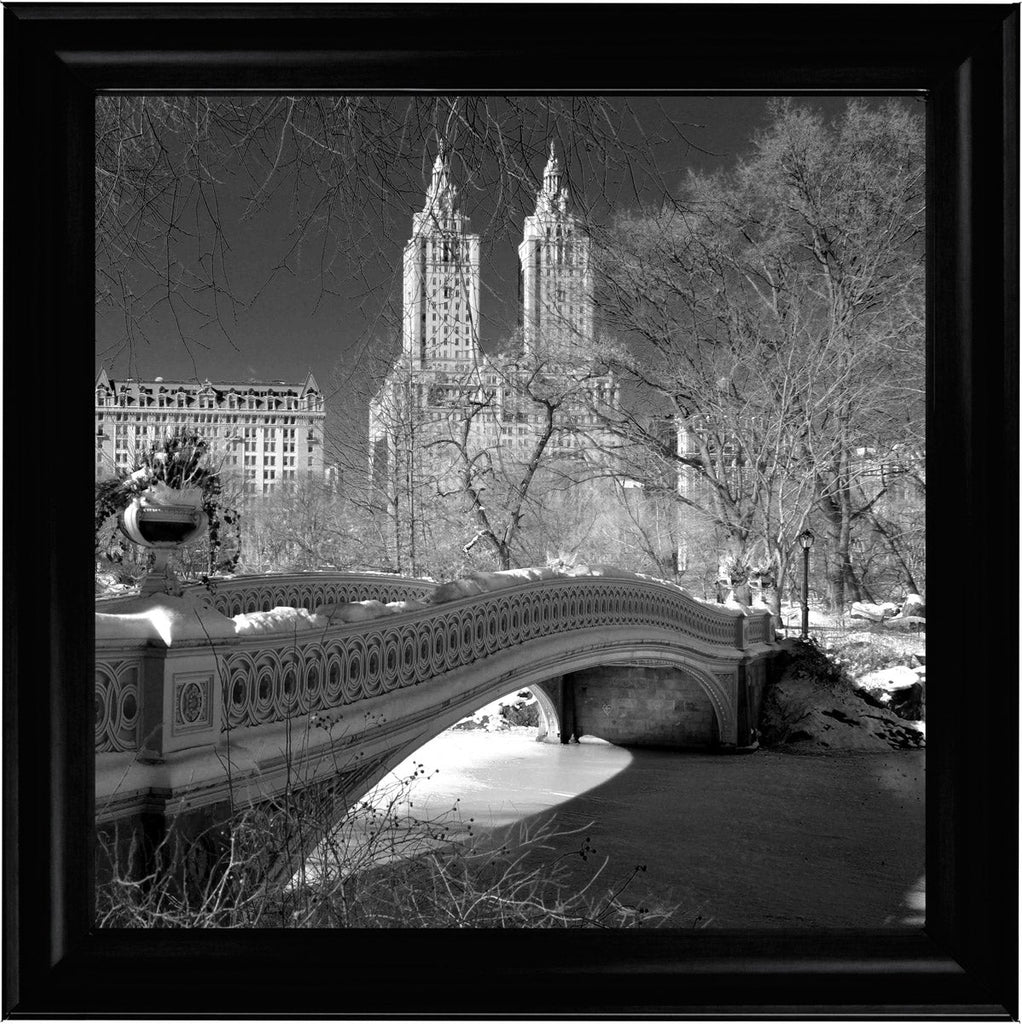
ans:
(271, 434)
(264, 434)
(443, 391)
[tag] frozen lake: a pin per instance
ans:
(756, 840)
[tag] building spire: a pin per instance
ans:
(552, 173)
(442, 197)
(439, 169)
(553, 197)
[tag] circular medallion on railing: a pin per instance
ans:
(333, 684)
(239, 690)
(539, 614)
(103, 694)
(191, 702)
(290, 698)
(454, 650)
(438, 647)
(516, 619)
(355, 655)
(466, 643)
(391, 644)
(237, 701)
(492, 630)
(423, 645)
(406, 657)
(127, 715)
(312, 678)
(503, 612)
(373, 685)
(526, 616)
(264, 702)
(478, 632)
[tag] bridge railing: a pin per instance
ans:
(120, 666)
(236, 595)
(195, 690)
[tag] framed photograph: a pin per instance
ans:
(428, 99)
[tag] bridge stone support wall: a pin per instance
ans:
(640, 705)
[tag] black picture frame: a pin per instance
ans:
(965, 60)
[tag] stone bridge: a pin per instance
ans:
(194, 718)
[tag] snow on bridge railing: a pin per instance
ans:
(265, 668)
(236, 595)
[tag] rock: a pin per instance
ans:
(859, 610)
(897, 677)
(914, 605)
(872, 612)
(906, 624)
(910, 703)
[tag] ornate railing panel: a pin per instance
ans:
(117, 700)
(269, 679)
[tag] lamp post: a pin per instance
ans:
(805, 538)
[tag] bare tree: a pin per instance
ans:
(482, 456)
(775, 350)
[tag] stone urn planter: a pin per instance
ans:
(164, 519)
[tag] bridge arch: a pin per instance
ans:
(528, 676)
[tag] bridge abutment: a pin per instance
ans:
(642, 705)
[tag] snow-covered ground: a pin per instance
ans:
(490, 718)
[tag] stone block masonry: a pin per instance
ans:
(643, 706)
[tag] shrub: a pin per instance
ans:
(381, 867)
(521, 713)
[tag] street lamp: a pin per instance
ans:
(805, 538)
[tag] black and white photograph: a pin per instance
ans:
(512, 555)
(510, 511)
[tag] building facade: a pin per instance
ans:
(440, 307)
(266, 435)
(445, 395)
(555, 275)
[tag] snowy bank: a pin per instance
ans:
(814, 706)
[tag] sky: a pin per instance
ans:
(289, 324)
